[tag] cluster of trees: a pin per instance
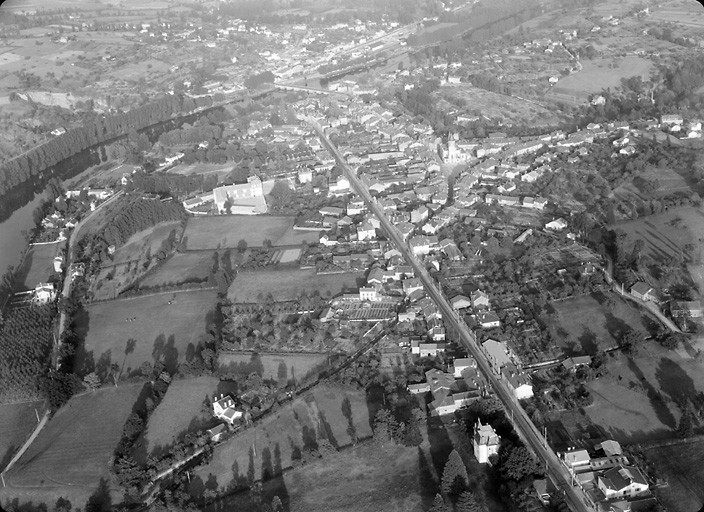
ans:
(92, 132)
(192, 134)
(169, 184)
(26, 339)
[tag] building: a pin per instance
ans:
(687, 309)
(461, 364)
(486, 442)
(498, 354)
(58, 264)
(644, 291)
(246, 198)
(518, 381)
(488, 319)
(622, 482)
(44, 292)
(556, 225)
(460, 302)
(576, 460)
(224, 409)
(480, 299)
(216, 433)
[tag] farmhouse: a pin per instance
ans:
(224, 409)
(486, 442)
(644, 291)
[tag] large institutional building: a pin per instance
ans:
(244, 199)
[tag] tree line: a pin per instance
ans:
(96, 131)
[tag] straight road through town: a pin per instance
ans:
(557, 472)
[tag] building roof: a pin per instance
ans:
(609, 447)
(576, 457)
(617, 479)
(485, 434)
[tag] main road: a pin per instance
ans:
(557, 472)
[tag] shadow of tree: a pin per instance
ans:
(656, 400)
(100, 500)
(588, 342)
(674, 381)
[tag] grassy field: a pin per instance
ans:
(285, 367)
(227, 230)
(147, 240)
(181, 267)
(599, 74)
(680, 465)
(165, 326)
(635, 400)
(180, 411)
(39, 264)
(71, 454)
(585, 325)
(367, 478)
(325, 413)
(665, 234)
(16, 424)
(288, 284)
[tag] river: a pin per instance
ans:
(12, 241)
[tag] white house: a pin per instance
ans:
(340, 187)
(486, 442)
(480, 299)
(462, 363)
(44, 292)
(460, 302)
(518, 381)
(366, 232)
(556, 225)
(58, 264)
(622, 482)
(498, 354)
(488, 319)
(224, 409)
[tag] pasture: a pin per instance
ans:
(147, 241)
(165, 326)
(16, 424)
(285, 285)
(335, 414)
(70, 456)
(226, 231)
(681, 466)
(635, 401)
(180, 268)
(181, 411)
(282, 367)
(38, 265)
(599, 74)
(586, 325)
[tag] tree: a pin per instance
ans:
(686, 425)
(517, 462)
(454, 475)
(467, 503)
(439, 505)
(92, 381)
(631, 340)
(242, 245)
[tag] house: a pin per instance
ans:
(366, 232)
(687, 308)
(488, 319)
(486, 442)
(518, 381)
(575, 460)
(644, 291)
(246, 198)
(411, 285)
(622, 482)
(419, 215)
(44, 292)
(460, 302)
(461, 364)
(58, 264)
(556, 225)
(480, 299)
(427, 349)
(572, 363)
(224, 409)
(540, 485)
(609, 447)
(497, 353)
(340, 187)
(331, 211)
(216, 433)
(416, 389)
(672, 119)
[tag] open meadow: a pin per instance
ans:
(16, 424)
(39, 265)
(182, 267)
(181, 411)
(71, 454)
(283, 367)
(226, 231)
(286, 285)
(586, 325)
(333, 413)
(680, 465)
(635, 401)
(165, 326)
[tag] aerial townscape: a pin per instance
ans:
(352, 255)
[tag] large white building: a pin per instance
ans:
(486, 442)
(246, 198)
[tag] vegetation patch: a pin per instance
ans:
(39, 265)
(285, 285)
(281, 367)
(17, 421)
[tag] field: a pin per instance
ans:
(585, 325)
(635, 400)
(16, 424)
(665, 234)
(181, 267)
(288, 284)
(147, 240)
(180, 411)
(39, 264)
(680, 465)
(599, 74)
(288, 367)
(325, 413)
(669, 182)
(70, 455)
(227, 230)
(165, 326)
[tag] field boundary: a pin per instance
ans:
(28, 442)
(670, 442)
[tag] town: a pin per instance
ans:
(374, 264)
